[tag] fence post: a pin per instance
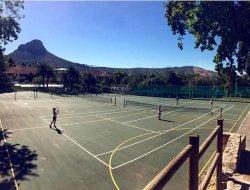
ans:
(219, 150)
(193, 163)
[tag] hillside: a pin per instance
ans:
(34, 52)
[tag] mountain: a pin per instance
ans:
(179, 70)
(34, 52)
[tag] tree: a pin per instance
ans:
(71, 79)
(42, 71)
(50, 74)
(117, 76)
(9, 28)
(89, 82)
(173, 79)
(225, 25)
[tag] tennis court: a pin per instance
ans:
(99, 145)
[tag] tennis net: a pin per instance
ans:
(96, 98)
(170, 107)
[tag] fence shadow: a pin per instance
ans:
(22, 159)
(244, 167)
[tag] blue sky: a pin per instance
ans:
(111, 34)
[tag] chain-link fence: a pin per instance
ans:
(187, 91)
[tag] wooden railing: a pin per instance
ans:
(194, 153)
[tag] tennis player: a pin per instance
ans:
(55, 112)
(177, 100)
(159, 112)
(211, 104)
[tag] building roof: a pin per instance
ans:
(101, 73)
(60, 69)
(22, 70)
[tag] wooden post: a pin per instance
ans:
(193, 163)
(220, 113)
(219, 150)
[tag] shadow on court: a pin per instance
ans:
(22, 159)
(57, 130)
(167, 120)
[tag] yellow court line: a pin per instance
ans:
(202, 170)
(215, 151)
(113, 152)
(11, 165)
(238, 119)
(84, 122)
(186, 128)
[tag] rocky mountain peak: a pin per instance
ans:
(34, 47)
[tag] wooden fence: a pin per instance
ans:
(194, 153)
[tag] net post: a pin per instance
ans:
(115, 101)
(91, 96)
(15, 95)
(124, 104)
(193, 171)
(220, 151)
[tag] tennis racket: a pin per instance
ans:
(57, 110)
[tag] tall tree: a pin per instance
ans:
(225, 25)
(71, 79)
(89, 82)
(9, 28)
(9, 17)
(42, 71)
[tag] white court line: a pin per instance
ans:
(165, 131)
(167, 142)
(107, 113)
(149, 117)
(84, 148)
(154, 115)
(30, 128)
(84, 113)
(126, 124)
(243, 121)
(84, 122)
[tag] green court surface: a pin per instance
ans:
(100, 145)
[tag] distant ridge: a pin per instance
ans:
(34, 52)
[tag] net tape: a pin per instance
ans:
(97, 98)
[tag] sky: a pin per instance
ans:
(123, 34)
